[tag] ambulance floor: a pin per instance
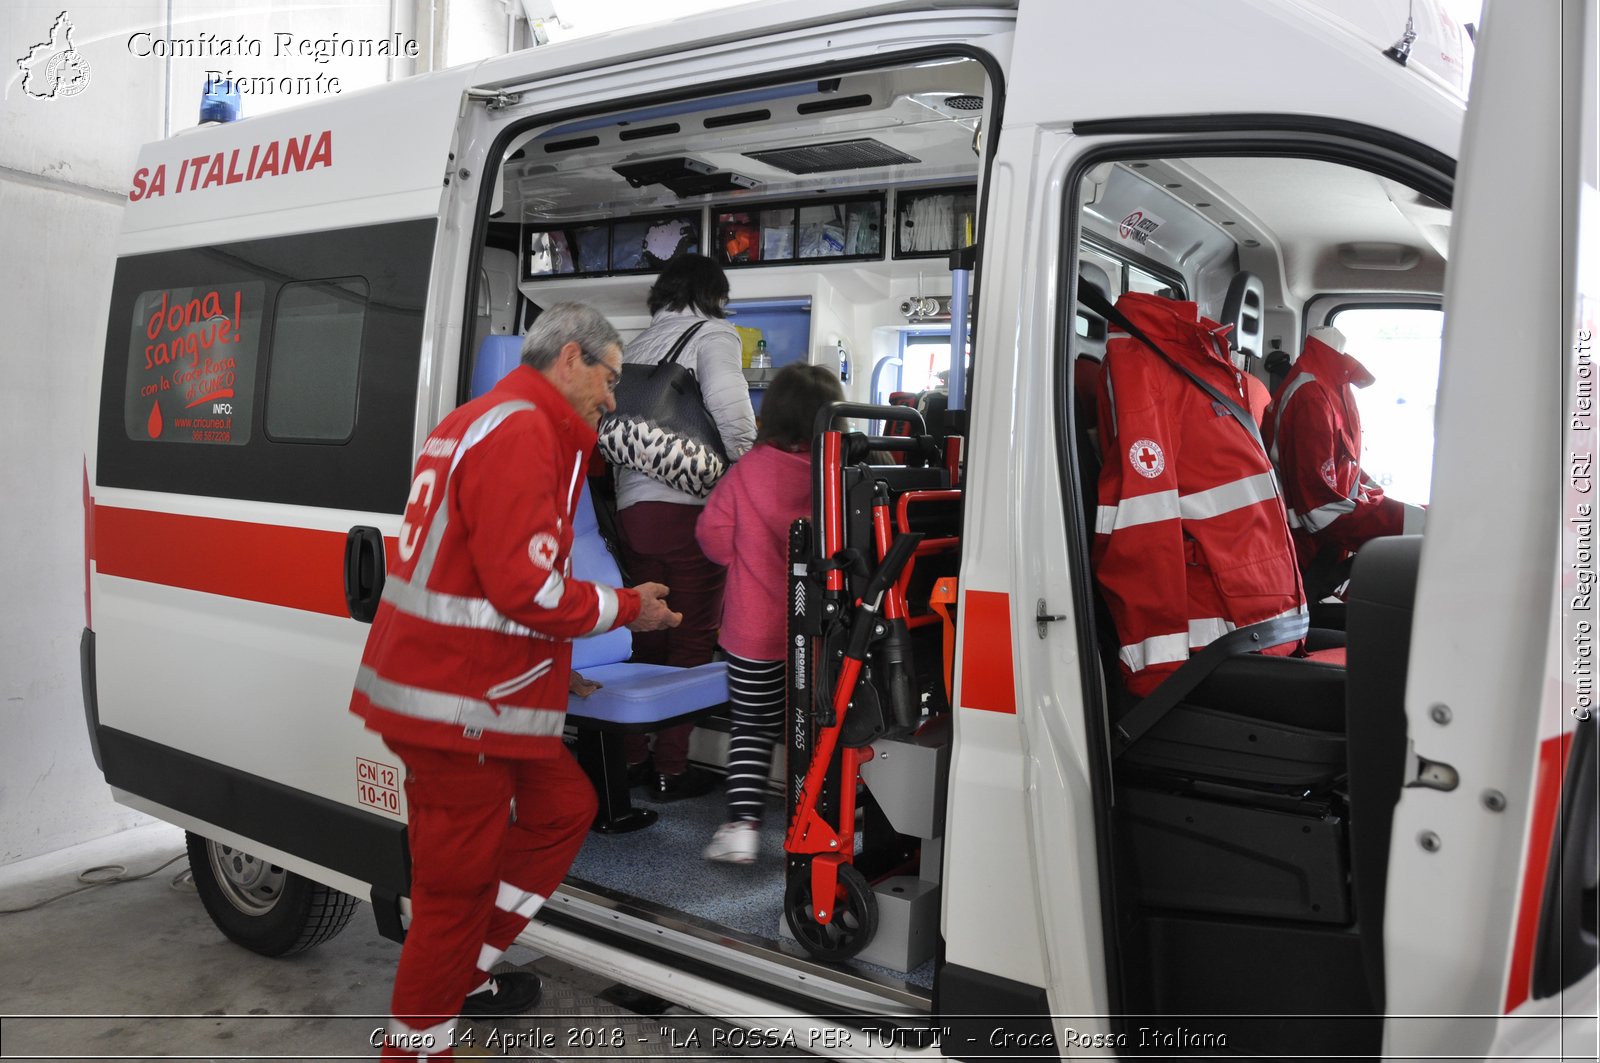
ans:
(663, 864)
(136, 970)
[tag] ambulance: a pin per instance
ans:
(1394, 858)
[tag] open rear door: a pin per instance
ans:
(1502, 644)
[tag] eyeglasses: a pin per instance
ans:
(613, 376)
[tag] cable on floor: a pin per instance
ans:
(93, 878)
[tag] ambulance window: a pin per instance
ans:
(1139, 280)
(1399, 345)
(316, 360)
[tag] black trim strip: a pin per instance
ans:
(91, 694)
(360, 844)
(992, 1018)
(1304, 126)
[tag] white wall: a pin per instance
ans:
(64, 169)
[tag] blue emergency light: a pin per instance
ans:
(219, 101)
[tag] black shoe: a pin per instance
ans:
(641, 774)
(693, 782)
(512, 993)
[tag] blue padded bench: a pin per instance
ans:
(632, 697)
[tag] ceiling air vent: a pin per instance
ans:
(648, 131)
(718, 121)
(825, 158)
(964, 103)
(841, 103)
(571, 145)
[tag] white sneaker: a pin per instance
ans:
(735, 843)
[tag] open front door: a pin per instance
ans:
(1502, 660)
(1159, 898)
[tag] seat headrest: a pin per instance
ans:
(497, 356)
(1244, 307)
(1092, 327)
(1096, 275)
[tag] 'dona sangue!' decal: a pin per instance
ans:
(192, 362)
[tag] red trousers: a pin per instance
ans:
(477, 875)
(658, 545)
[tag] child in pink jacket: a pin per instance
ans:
(745, 526)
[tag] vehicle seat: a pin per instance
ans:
(497, 356)
(1275, 723)
(633, 698)
(632, 694)
(1383, 590)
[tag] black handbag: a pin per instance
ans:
(661, 427)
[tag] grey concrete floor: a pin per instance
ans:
(136, 970)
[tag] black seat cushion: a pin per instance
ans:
(1273, 722)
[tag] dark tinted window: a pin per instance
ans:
(316, 360)
(333, 323)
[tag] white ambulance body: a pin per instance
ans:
(301, 296)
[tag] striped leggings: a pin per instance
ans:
(756, 693)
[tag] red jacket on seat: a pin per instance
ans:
(470, 647)
(1313, 431)
(1191, 537)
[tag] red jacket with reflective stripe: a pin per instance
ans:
(470, 647)
(1313, 430)
(1191, 539)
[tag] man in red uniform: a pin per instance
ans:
(1191, 540)
(1313, 431)
(465, 673)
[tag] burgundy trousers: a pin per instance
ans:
(658, 545)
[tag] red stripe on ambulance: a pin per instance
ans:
(298, 568)
(1541, 835)
(988, 678)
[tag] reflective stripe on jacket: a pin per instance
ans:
(470, 648)
(1191, 537)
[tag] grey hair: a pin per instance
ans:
(566, 323)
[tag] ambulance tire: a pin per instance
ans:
(854, 921)
(262, 906)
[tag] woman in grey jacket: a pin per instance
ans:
(656, 523)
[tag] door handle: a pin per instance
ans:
(363, 571)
